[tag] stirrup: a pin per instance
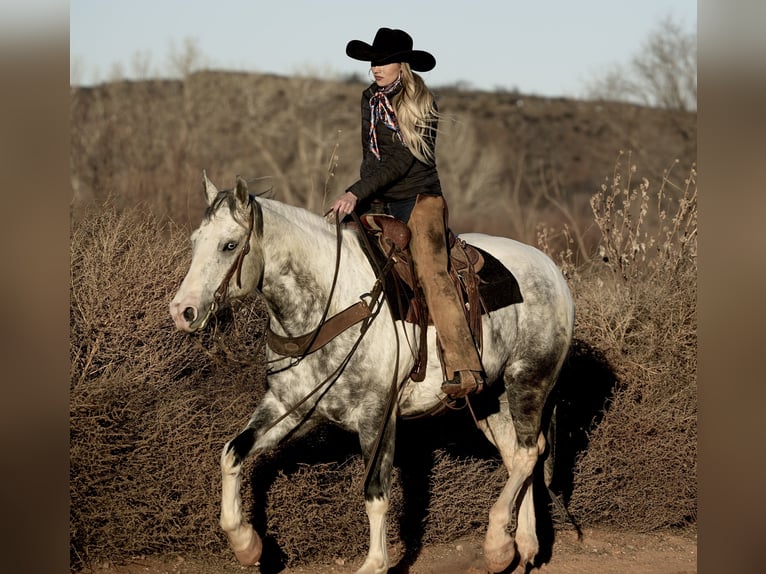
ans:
(464, 383)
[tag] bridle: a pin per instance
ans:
(236, 266)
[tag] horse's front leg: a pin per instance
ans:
(377, 492)
(244, 541)
(256, 438)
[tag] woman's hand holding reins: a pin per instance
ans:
(345, 204)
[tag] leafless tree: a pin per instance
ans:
(186, 59)
(663, 74)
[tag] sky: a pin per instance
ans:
(546, 47)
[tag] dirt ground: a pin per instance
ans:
(600, 552)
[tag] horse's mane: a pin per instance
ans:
(224, 197)
(315, 229)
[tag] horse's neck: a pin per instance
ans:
(299, 251)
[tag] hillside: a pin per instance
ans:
(149, 140)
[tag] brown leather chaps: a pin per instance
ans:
(428, 247)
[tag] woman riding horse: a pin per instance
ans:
(399, 126)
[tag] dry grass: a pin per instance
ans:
(637, 304)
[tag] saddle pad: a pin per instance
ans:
(497, 285)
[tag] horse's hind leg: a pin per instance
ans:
(515, 431)
(499, 549)
(256, 438)
(526, 524)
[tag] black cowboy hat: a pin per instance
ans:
(391, 46)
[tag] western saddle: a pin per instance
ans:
(391, 236)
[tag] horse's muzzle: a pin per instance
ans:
(188, 318)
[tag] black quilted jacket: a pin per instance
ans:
(397, 174)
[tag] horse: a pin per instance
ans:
(290, 257)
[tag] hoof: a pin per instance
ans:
(499, 558)
(250, 553)
(374, 571)
(528, 548)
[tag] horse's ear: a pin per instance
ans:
(241, 191)
(211, 191)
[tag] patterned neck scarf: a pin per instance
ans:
(382, 110)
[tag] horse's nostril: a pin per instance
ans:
(189, 314)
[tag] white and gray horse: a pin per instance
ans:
(287, 255)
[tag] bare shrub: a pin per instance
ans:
(147, 414)
(640, 469)
(637, 304)
(134, 152)
(507, 163)
(638, 241)
(185, 60)
(117, 295)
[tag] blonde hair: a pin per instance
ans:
(417, 115)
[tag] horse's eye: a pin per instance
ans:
(230, 246)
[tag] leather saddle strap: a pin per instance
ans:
(419, 368)
(326, 332)
(467, 283)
